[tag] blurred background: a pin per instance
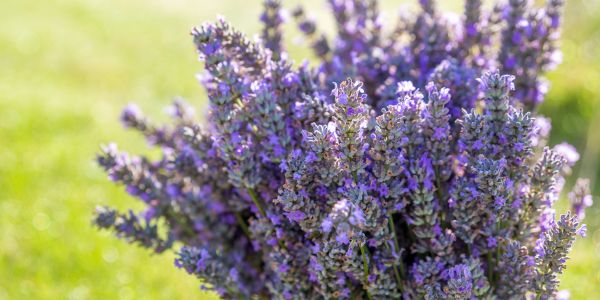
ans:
(67, 68)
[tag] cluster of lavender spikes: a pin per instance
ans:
(424, 176)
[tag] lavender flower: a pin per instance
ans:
(552, 255)
(460, 282)
(132, 229)
(402, 165)
(272, 19)
(580, 198)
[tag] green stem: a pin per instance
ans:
(242, 224)
(499, 227)
(393, 229)
(257, 202)
(355, 177)
(396, 274)
(490, 271)
(396, 244)
(363, 251)
(398, 279)
(440, 195)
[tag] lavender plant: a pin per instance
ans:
(402, 164)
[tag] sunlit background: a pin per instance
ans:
(67, 67)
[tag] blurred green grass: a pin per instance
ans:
(68, 67)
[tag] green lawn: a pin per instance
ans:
(66, 70)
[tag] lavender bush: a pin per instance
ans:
(402, 164)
